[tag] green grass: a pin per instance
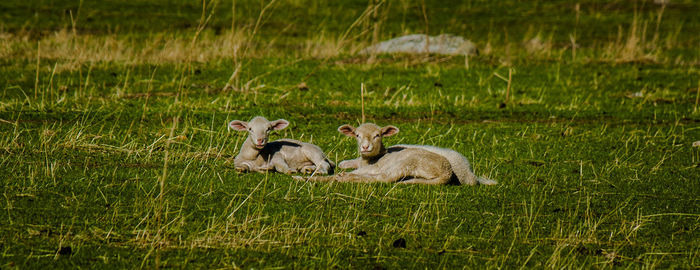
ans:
(120, 156)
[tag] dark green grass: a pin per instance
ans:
(594, 159)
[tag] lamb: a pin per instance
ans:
(284, 155)
(401, 163)
(460, 165)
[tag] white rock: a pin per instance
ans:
(637, 94)
(416, 44)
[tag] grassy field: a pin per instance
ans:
(115, 153)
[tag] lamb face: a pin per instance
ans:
(369, 138)
(259, 129)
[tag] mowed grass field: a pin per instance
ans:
(115, 152)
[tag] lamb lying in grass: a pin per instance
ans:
(460, 165)
(405, 163)
(284, 155)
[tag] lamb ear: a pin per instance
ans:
(279, 124)
(348, 130)
(238, 125)
(389, 130)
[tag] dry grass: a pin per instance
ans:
(637, 45)
(74, 50)
(160, 48)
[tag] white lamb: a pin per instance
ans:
(401, 163)
(284, 155)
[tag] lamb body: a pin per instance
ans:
(459, 164)
(284, 155)
(418, 163)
